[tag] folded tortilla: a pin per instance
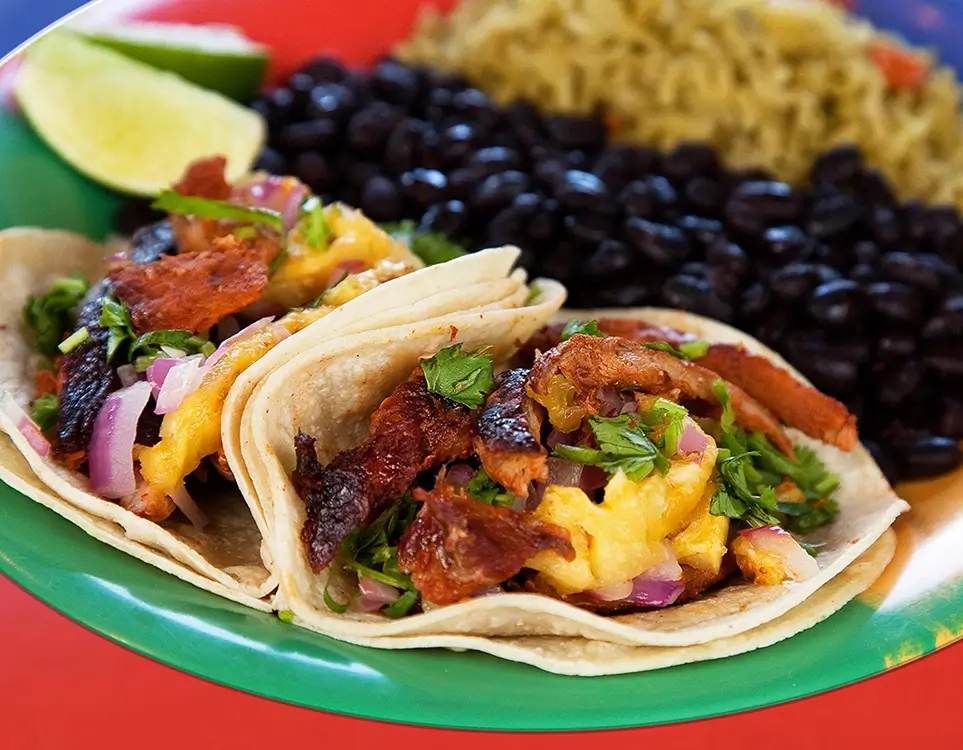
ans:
(229, 556)
(330, 392)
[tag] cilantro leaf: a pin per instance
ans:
(206, 208)
(432, 247)
(487, 490)
(728, 419)
(687, 350)
(624, 446)
(123, 341)
(724, 504)
(738, 496)
(577, 327)
(670, 417)
(314, 225)
(45, 411)
(463, 377)
(52, 314)
(120, 329)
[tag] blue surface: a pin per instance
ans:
(21, 19)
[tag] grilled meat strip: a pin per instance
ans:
(411, 431)
(590, 364)
(508, 439)
(457, 547)
(803, 407)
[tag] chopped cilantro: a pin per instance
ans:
(314, 225)
(331, 604)
(120, 329)
(533, 293)
(728, 419)
(52, 314)
(45, 411)
(624, 445)
(687, 350)
(432, 247)
(463, 377)
(286, 615)
(670, 416)
(577, 327)
(74, 340)
(482, 487)
(142, 350)
(404, 604)
(191, 205)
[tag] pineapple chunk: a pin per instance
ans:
(624, 535)
(702, 543)
(357, 244)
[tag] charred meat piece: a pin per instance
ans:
(411, 431)
(591, 364)
(151, 242)
(803, 407)
(457, 547)
(509, 428)
(193, 291)
(205, 178)
(148, 503)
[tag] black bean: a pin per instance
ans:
(498, 190)
(494, 159)
(590, 228)
(687, 160)
(865, 251)
(279, 103)
(786, 243)
(448, 218)
(576, 131)
(896, 345)
(700, 229)
(332, 101)
(885, 227)
(627, 295)
(525, 121)
(794, 281)
(300, 85)
(896, 384)
(695, 295)
(610, 260)
(549, 172)
(924, 271)
(582, 191)
(441, 103)
(310, 135)
(951, 418)
(545, 222)
(475, 106)
(915, 225)
(381, 199)
(395, 83)
(643, 160)
(837, 375)
(864, 273)
(872, 189)
(506, 227)
(883, 459)
(613, 168)
(316, 171)
(423, 186)
(755, 301)
(660, 244)
(942, 327)
(927, 456)
(946, 357)
(403, 145)
(837, 167)
(462, 183)
(835, 303)
(774, 327)
(834, 215)
(754, 206)
(369, 128)
(562, 261)
(705, 194)
(271, 161)
(638, 199)
(325, 70)
(895, 301)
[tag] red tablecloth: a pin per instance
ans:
(63, 687)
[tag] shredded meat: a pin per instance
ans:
(193, 291)
(205, 179)
(411, 431)
(795, 404)
(457, 547)
(591, 364)
(509, 428)
(148, 503)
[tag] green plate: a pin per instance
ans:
(168, 620)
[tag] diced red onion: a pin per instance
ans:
(365, 604)
(282, 194)
(128, 375)
(659, 586)
(188, 507)
(256, 326)
(345, 268)
(459, 475)
(157, 372)
(378, 591)
(181, 380)
(564, 473)
(26, 427)
(116, 257)
(613, 593)
(111, 455)
(629, 407)
(559, 438)
(776, 542)
(490, 591)
(610, 401)
(593, 478)
(693, 441)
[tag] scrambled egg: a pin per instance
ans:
(625, 535)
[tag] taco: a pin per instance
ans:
(118, 368)
(670, 485)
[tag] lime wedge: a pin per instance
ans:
(125, 124)
(219, 58)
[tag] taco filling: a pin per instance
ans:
(135, 367)
(620, 468)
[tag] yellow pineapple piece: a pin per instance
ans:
(625, 534)
(702, 542)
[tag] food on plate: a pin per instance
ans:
(127, 373)
(609, 487)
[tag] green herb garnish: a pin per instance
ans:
(533, 293)
(53, 314)
(432, 247)
(332, 604)
(123, 341)
(120, 329)
(463, 377)
(45, 411)
(671, 417)
(206, 208)
(687, 350)
(482, 487)
(577, 327)
(74, 340)
(314, 225)
(624, 445)
(286, 615)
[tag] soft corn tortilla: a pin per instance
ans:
(229, 556)
(330, 392)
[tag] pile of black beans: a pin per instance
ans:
(863, 294)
